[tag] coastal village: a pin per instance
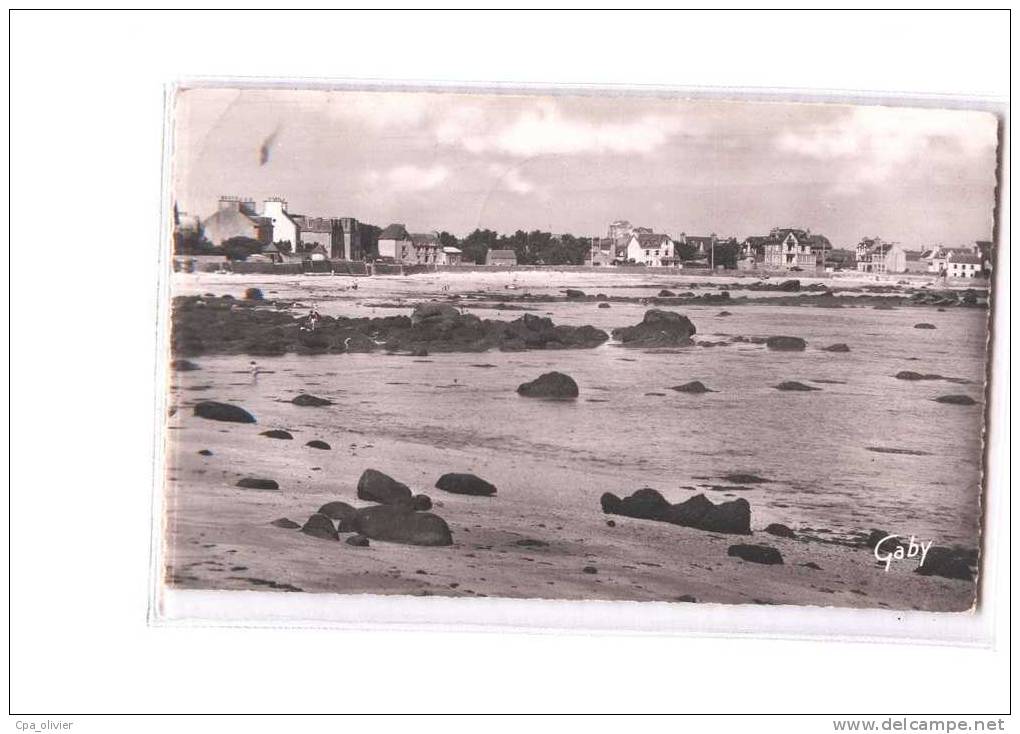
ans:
(245, 236)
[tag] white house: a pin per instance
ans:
(285, 229)
(394, 242)
(654, 250)
(963, 265)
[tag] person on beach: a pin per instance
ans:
(313, 319)
(254, 369)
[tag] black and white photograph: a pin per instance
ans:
(474, 365)
(577, 346)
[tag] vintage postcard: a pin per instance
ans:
(577, 345)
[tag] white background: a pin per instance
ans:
(86, 124)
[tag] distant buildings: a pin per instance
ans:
(959, 262)
(339, 236)
(285, 228)
(400, 246)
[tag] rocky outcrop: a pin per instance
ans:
(257, 483)
(375, 486)
(402, 525)
(211, 410)
(658, 329)
(342, 512)
(756, 554)
(320, 526)
(956, 400)
(465, 484)
(698, 512)
(786, 343)
(694, 387)
(794, 386)
(310, 401)
(950, 563)
(222, 326)
(551, 385)
(277, 433)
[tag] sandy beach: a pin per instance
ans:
(862, 450)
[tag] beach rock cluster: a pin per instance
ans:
(658, 328)
(698, 512)
(228, 326)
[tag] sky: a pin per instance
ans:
(574, 163)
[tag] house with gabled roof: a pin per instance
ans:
(501, 257)
(653, 250)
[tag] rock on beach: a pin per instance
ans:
(465, 484)
(375, 486)
(402, 525)
(211, 410)
(554, 385)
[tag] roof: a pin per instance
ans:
(502, 254)
(967, 259)
(424, 238)
(652, 240)
(913, 255)
(395, 232)
(452, 250)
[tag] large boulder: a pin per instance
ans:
(554, 385)
(320, 526)
(465, 484)
(375, 486)
(780, 530)
(214, 411)
(756, 554)
(699, 512)
(786, 343)
(310, 401)
(342, 512)
(402, 525)
(658, 329)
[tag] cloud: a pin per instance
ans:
(409, 178)
(511, 179)
(545, 130)
(876, 143)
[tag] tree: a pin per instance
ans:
(726, 254)
(239, 248)
(687, 251)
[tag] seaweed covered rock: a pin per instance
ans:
(551, 385)
(375, 486)
(658, 328)
(465, 484)
(211, 410)
(402, 525)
